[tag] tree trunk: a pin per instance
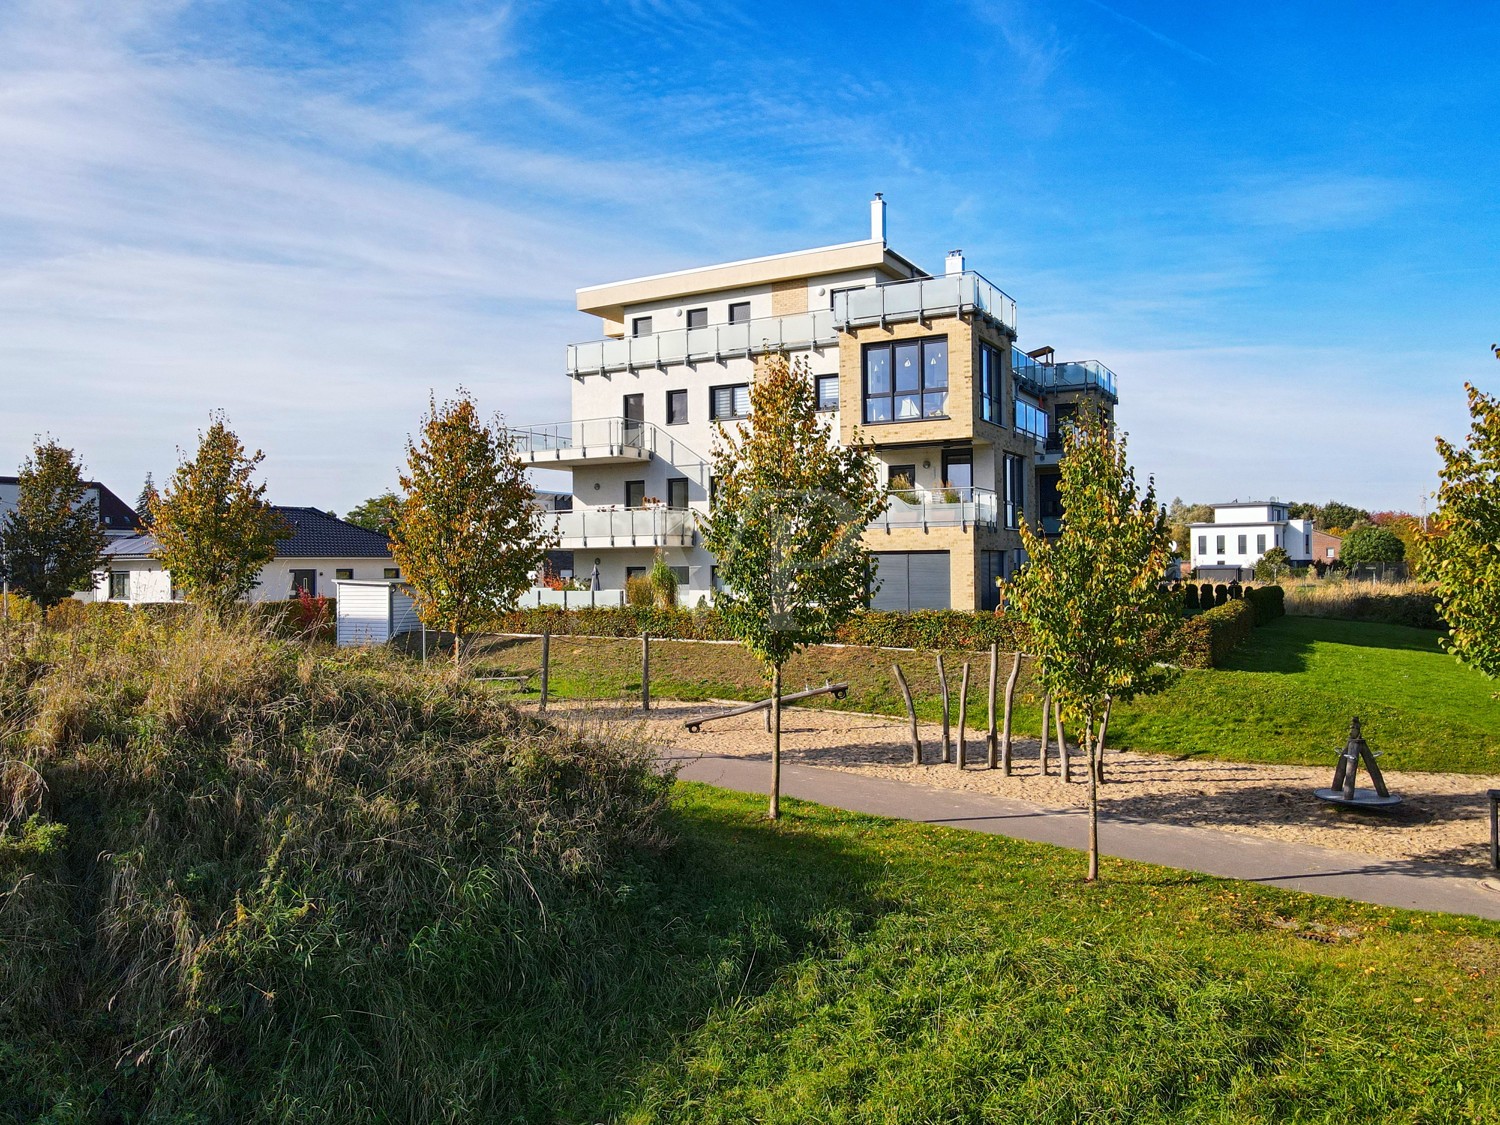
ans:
(991, 743)
(911, 714)
(943, 688)
(1094, 747)
(1010, 697)
(1046, 729)
(457, 659)
(963, 718)
(775, 809)
(1064, 761)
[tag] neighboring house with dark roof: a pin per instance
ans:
(116, 517)
(321, 550)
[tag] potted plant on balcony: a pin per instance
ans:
(950, 495)
(902, 489)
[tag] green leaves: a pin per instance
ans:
(789, 511)
(49, 546)
(469, 534)
(1463, 548)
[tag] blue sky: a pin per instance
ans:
(1278, 224)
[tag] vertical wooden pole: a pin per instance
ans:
(1010, 698)
(911, 714)
(645, 671)
(1046, 729)
(775, 810)
(1062, 745)
(963, 718)
(1109, 702)
(1094, 748)
(991, 743)
(546, 665)
(943, 688)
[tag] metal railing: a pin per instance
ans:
(939, 507)
(923, 297)
(602, 436)
(625, 527)
(1072, 375)
(796, 332)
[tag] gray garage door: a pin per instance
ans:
(911, 580)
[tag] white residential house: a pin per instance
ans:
(1242, 531)
(320, 551)
(963, 421)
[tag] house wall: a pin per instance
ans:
(149, 582)
(1293, 536)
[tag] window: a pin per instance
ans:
(828, 392)
(119, 586)
(713, 490)
(640, 326)
(697, 318)
(1260, 544)
(1328, 552)
(676, 408)
(739, 312)
(906, 380)
(1203, 544)
(1219, 544)
(344, 574)
(392, 572)
(1015, 490)
(958, 468)
(729, 402)
(634, 572)
(1242, 547)
(681, 574)
(835, 294)
(713, 579)
(677, 495)
(305, 582)
(991, 376)
(1030, 419)
(635, 493)
(901, 477)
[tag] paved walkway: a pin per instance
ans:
(1300, 867)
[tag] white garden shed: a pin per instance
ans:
(371, 613)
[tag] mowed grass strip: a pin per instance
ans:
(899, 972)
(1287, 695)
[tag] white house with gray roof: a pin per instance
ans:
(1244, 530)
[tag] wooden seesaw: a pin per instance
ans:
(838, 691)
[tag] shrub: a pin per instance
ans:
(1205, 641)
(1206, 596)
(1221, 594)
(1190, 600)
(1372, 544)
(663, 584)
(639, 591)
(1269, 602)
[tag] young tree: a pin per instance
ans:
(1336, 516)
(50, 544)
(470, 533)
(1091, 599)
(143, 502)
(790, 508)
(378, 513)
(214, 529)
(1273, 564)
(1460, 547)
(1179, 517)
(1371, 544)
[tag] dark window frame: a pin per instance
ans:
(702, 316)
(1244, 541)
(641, 501)
(636, 325)
(923, 390)
(392, 572)
(713, 402)
(677, 482)
(680, 417)
(957, 456)
(819, 382)
(736, 309)
(119, 585)
(304, 578)
(907, 471)
(1014, 481)
(991, 385)
(343, 574)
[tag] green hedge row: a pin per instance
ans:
(1206, 639)
(1269, 602)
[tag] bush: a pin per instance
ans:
(663, 584)
(1372, 545)
(639, 592)
(1269, 602)
(1190, 601)
(1205, 641)
(1206, 596)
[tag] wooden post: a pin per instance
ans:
(943, 688)
(911, 713)
(963, 718)
(1010, 697)
(1062, 745)
(991, 743)
(546, 665)
(1109, 702)
(1046, 728)
(645, 671)
(775, 713)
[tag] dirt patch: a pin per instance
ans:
(1445, 817)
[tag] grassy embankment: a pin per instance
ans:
(1286, 696)
(242, 881)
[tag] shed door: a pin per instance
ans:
(911, 580)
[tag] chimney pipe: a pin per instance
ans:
(877, 218)
(954, 263)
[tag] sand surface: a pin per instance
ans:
(1444, 817)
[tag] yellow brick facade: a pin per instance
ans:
(959, 425)
(789, 298)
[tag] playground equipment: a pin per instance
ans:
(1343, 791)
(838, 691)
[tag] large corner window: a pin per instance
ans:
(906, 381)
(991, 378)
(729, 402)
(1015, 490)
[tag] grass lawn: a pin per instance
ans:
(1287, 696)
(856, 969)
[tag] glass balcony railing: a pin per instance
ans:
(594, 528)
(701, 345)
(600, 440)
(1075, 375)
(924, 297)
(939, 507)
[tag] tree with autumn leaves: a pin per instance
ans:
(1092, 599)
(50, 543)
(790, 507)
(469, 534)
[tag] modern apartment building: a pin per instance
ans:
(963, 422)
(1242, 531)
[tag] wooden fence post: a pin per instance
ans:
(1109, 702)
(911, 713)
(546, 665)
(963, 718)
(991, 743)
(1010, 696)
(1046, 728)
(1062, 745)
(943, 688)
(645, 671)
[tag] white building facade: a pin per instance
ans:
(1241, 532)
(962, 421)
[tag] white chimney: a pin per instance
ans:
(954, 262)
(877, 218)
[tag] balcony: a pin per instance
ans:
(944, 507)
(593, 529)
(924, 298)
(588, 441)
(704, 345)
(1052, 378)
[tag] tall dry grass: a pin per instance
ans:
(1390, 603)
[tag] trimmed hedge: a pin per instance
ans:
(1269, 602)
(1208, 638)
